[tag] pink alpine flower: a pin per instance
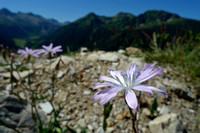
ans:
(128, 81)
(29, 52)
(50, 50)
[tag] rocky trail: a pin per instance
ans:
(179, 112)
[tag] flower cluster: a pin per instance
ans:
(36, 53)
(128, 81)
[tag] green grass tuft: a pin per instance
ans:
(187, 57)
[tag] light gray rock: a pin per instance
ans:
(2, 60)
(9, 87)
(17, 75)
(61, 61)
(100, 130)
(191, 95)
(60, 74)
(87, 92)
(146, 112)
(174, 84)
(164, 110)
(138, 61)
(84, 49)
(90, 127)
(121, 51)
(46, 107)
(26, 119)
(1, 69)
(168, 123)
(113, 57)
(95, 124)
(17, 114)
(22, 95)
(92, 57)
(191, 111)
(133, 51)
(81, 123)
(110, 129)
(4, 129)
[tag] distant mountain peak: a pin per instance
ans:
(124, 14)
(89, 18)
(5, 11)
(91, 15)
(161, 13)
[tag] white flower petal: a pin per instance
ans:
(153, 88)
(105, 78)
(143, 88)
(131, 99)
(107, 98)
(99, 85)
(117, 76)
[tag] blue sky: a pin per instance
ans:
(71, 10)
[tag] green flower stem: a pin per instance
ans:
(106, 113)
(133, 118)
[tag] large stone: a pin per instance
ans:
(2, 60)
(133, 51)
(1, 69)
(168, 123)
(61, 61)
(138, 61)
(17, 114)
(17, 75)
(113, 57)
(26, 119)
(92, 57)
(174, 84)
(121, 51)
(164, 110)
(4, 129)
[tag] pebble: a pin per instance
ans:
(60, 74)
(164, 110)
(100, 130)
(87, 92)
(191, 111)
(146, 112)
(46, 107)
(110, 123)
(119, 117)
(9, 87)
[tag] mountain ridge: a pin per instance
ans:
(92, 31)
(121, 30)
